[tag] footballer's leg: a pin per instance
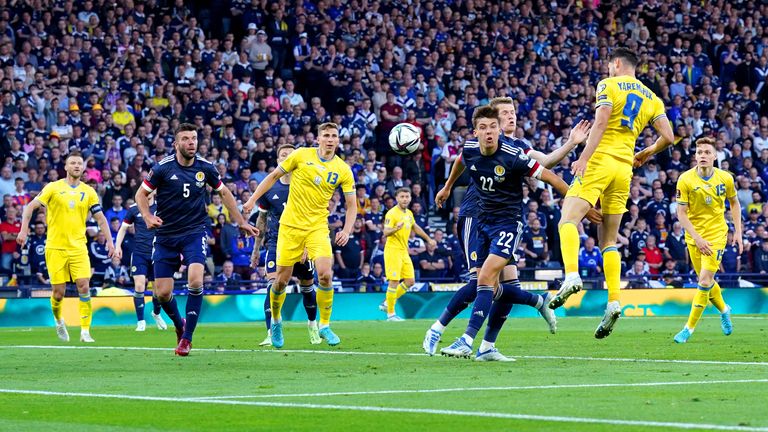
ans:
(139, 284)
(607, 234)
(324, 267)
(306, 273)
(195, 272)
(511, 286)
(276, 300)
(574, 209)
(270, 268)
(59, 275)
(166, 261)
(80, 271)
(57, 298)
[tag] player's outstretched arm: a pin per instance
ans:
(350, 204)
(736, 214)
(456, 170)
(682, 215)
(101, 220)
(229, 202)
(120, 237)
(263, 187)
(602, 115)
(423, 234)
(666, 138)
(26, 216)
(578, 135)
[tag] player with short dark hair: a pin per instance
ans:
(181, 225)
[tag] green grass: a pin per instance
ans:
(263, 372)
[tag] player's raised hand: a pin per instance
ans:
(595, 216)
(580, 132)
(442, 197)
(342, 238)
(641, 158)
(432, 242)
(21, 237)
(704, 246)
(153, 221)
(112, 252)
(249, 230)
(247, 209)
(578, 167)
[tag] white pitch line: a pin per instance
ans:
(441, 412)
(381, 354)
(471, 389)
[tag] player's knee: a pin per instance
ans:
(278, 285)
(409, 282)
(325, 277)
(706, 280)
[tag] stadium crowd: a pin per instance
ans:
(114, 79)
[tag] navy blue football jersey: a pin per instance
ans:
(498, 178)
(181, 194)
(470, 204)
(273, 203)
(143, 236)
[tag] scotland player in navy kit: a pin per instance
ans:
(470, 210)
(180, 223)
(141, 263)
(271, 206)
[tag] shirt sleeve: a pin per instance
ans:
(348, 182)
(604, 94)
(45, 195)
(529, 166)
(730, 188)
(389, 220)
(212, 177)
(659, 111)
(94, 204)
(130, 216)
(682, 191)
(154, 179)
(263, 203)
(290, 163)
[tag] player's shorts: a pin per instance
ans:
(303, 271)
(167, 252)
(67, 265)
(141, 265)
(500, 237)
(292, 241)
(701, 261)
(398, 265)
(466, 229)
(607, 179)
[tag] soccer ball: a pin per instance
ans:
(404, 138)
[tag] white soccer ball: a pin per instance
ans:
(404, 138)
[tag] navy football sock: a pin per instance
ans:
(496, 318)
(138, 304)
(480, 310)
(309, 298)
(171, 309)
(194, 304)
(512, 292)
(460, 301)
(267, 311)
(156, 308)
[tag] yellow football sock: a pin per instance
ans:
(276, 301)
(699, 304)
(612, 270)
(56, 308)
(402, 288)
(391, 300)
(325, 304)
(716, 297)
(569, 247)
(85, 311)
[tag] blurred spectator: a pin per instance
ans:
(228, 280)
(431, 263)
(638, 275)
(242, 248)
(590, 259)
(9, 229)
(116, 274)
(653, 255)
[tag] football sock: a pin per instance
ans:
(194, 304)
(267, 312)
(460, 301)
(391, 299)
(402, 288)
(569, 247)
(56, 308)
(171, 309)
(138, 304)
(612, 269)
(716, 297)
(156, 308)
(480, 310)
(699, 304)
(496, 318)
(309, 298)
(276, 300)
(512, 292)
(325, 304)
(85, 311)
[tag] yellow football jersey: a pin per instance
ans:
(705, 198)
(633, 106)
(399, 240)
(313, 182)
(67, 209)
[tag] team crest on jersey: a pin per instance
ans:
(200, 177)
(71, 204)
(499, 170)
(473, 255)
(708, 200)
(318, 180)
(133, 269)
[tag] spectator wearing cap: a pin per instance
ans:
(259, 54)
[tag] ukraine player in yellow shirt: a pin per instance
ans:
(624, 107)
(316, 172)
(67, 202)
(398, 223)
(701, 195)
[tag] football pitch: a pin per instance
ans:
(379, 379)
